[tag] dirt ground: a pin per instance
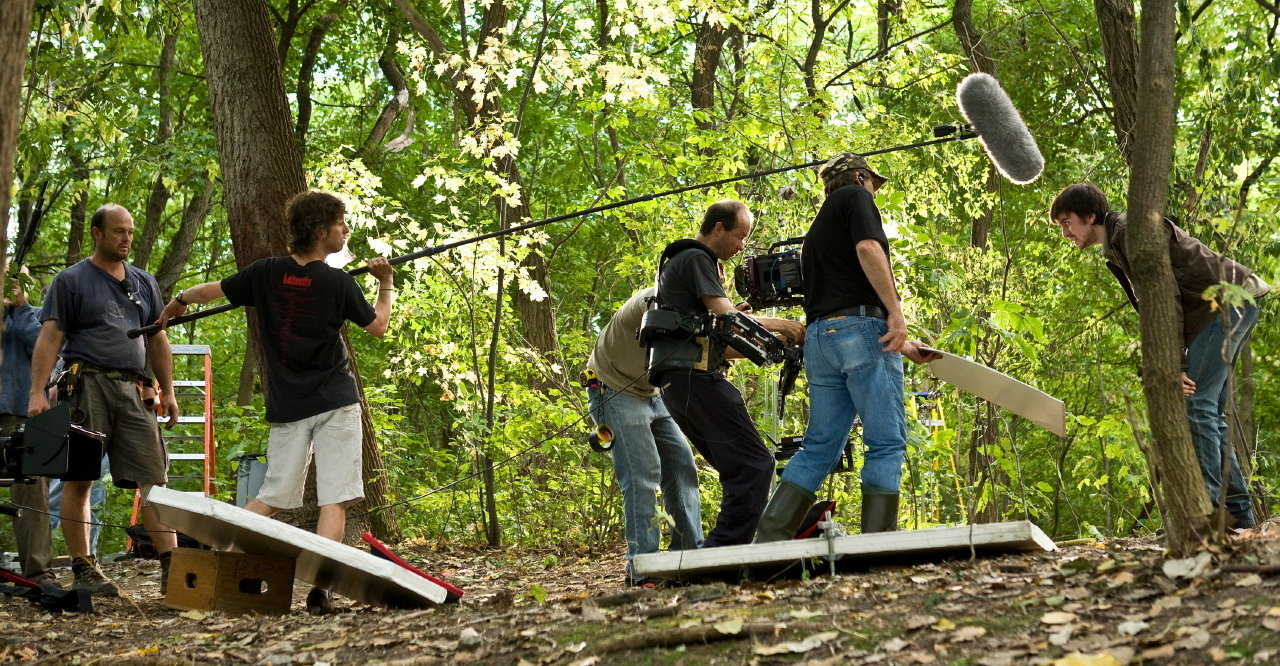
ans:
(1114, 602)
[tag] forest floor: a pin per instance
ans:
(1113, 602)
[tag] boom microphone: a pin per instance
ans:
(1001, 130)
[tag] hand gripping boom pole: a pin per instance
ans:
(438, 249)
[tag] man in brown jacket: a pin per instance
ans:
(1212, 335)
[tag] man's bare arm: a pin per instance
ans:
(48, 346)
(875, 264)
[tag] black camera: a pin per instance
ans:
(772, 279)
(48, 444)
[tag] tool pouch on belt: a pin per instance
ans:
(68, 381)
(150, 394)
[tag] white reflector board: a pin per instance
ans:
(344, 570)
(1022, 399)
(936, 543)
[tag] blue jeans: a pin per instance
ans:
(848, 377)
(1209, 362)
(649, 453)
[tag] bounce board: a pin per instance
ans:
(337, 567)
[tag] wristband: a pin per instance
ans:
(178, 297)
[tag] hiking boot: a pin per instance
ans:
(165, 559)
(320, 602)
(45, 577)
(89, 577)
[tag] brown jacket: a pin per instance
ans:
(1195, 268)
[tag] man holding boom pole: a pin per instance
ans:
(313, 404)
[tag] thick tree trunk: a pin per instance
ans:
(1120, 48)
(261, 160)
(1186, 500)
(261, 164)
(15, 25)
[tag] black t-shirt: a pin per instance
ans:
(301, 310)
(686, 278)
(833, 276)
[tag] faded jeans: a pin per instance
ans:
(1209, 362)
(649, 452)
(849, 377)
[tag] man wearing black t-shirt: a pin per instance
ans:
(854, 344)
(313, 403)
(708, 408)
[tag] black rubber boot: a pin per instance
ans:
(786, 510)
(879, 511)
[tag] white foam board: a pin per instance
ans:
(344, 570)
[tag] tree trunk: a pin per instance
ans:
(975, 48)
(398, 104)
(15, 26)
(193, 216)
(79, 197)
(1186, 500)
(1118, 28)
(377, 483)
(537, 321)
(260, 158)
(153, 219)
(886, 10)
(307, 70)
(706, 60)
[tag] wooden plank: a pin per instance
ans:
(340, 568)
(936, 543)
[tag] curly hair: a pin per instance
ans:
(309, 213)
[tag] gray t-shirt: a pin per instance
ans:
(95, 311)
(686, 278)
(619, 357)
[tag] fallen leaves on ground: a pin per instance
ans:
(1091, 604)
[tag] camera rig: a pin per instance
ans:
(774, 278)
(735, 330)
(48, 444)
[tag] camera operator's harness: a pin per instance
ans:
(679, 341)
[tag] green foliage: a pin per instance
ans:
(593, 118)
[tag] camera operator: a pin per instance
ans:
(854, 344)
(87, 314)
(707, 407)
(31, 526)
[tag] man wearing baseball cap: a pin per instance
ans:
(855, 339)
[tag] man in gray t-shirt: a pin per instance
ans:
(87, 311)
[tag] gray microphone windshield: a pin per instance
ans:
(1005, 137)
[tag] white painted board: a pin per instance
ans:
(934, 543)
(1022, 399)
(344, 570)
